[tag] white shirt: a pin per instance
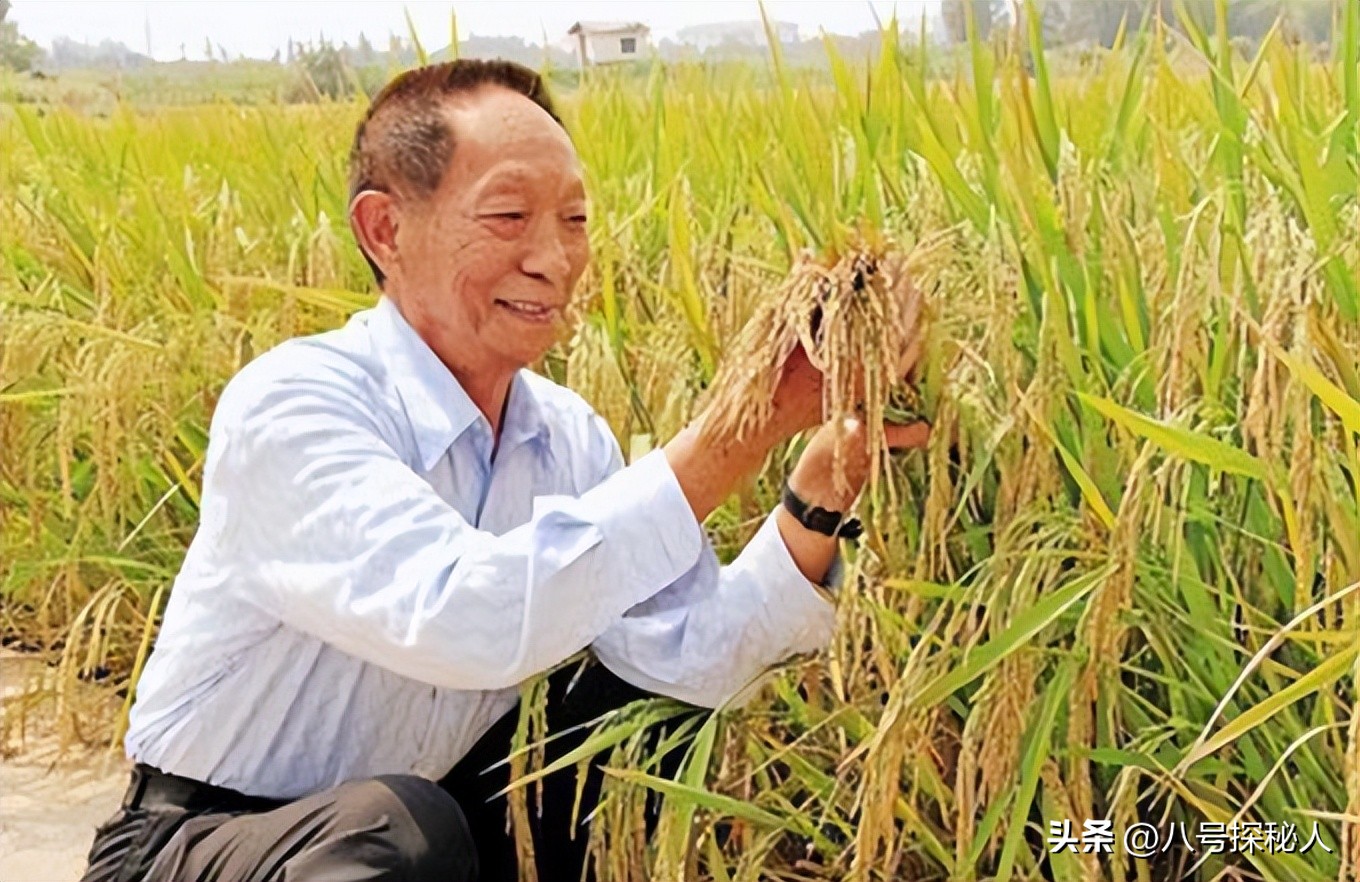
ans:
(367, 587)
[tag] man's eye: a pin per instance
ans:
(510, 215)
(577, 219)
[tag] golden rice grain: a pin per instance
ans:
(861, 321)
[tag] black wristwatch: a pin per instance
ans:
(819, 520)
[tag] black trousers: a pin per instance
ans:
(393, 827)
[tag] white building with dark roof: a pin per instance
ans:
(603, 42)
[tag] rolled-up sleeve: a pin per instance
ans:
(324, 526)
(710, 636)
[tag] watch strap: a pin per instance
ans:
(820, 520)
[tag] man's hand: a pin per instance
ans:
(797, 404)
(812, 481)
(710, 468)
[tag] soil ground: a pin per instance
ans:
(51, 798)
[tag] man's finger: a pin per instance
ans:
(911, 436)
(909, 361)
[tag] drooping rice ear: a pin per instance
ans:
(850, 317)
(809, 292)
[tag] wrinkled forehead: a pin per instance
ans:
(492, 126)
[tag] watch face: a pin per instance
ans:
(815, 518)
(822, 521)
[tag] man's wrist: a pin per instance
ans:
(821, 494)
(811, 552)
(819, 519)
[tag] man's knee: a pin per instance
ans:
(424, 824)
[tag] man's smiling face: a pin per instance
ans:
(487, 262)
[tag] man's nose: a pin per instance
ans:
(546, 256)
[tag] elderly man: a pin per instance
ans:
(400, 523)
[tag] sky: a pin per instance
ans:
(256, 28)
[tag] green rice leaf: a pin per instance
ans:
(725, 806)
(1021, 630)
(1181, 442)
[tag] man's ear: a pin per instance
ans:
(374, 220)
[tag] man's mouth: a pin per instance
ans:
(530, 311)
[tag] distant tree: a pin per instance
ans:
(323, 65)
(1314, 20)
(104, 55)
(1251, 20)
(1098, 21)
(986, 14)
(515, 49)
(17, 52)
(1306, 20)
(1092, 21)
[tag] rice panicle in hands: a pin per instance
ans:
(855, 317)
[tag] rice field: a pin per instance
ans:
(1121, 584)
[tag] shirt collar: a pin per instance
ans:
(437, 407)
(525, 418)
